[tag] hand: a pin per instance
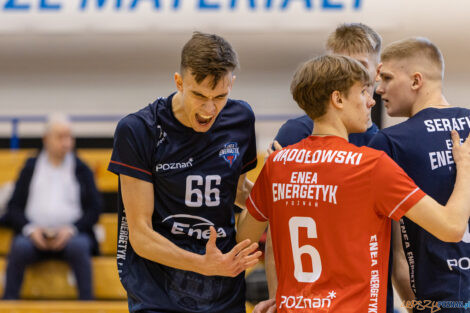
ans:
(267, 306)
(37, 237)
(229, 264)
(461, 152)
(270, 150)
(61, 238)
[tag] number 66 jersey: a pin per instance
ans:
(329, 205)
(195, 178)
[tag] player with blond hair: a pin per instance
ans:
(330, 203)
(411, 86)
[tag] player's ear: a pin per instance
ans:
(377, 73)
(179, 82)
(337, 99)
(417, 81)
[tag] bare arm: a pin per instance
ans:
(249, 227)
(400, 272)
(270, 265)
(450, 222)
(243, 191)
(138, 199)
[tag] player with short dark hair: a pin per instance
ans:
(411, 86)
(329, 203)
(181, 163)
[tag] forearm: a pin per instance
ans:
(270, 266)
(152, 246)
(249, 228)
(400, 272)
(458, 205)
(243, 191)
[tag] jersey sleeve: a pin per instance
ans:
(382, 143)
(132, 149)
(394, 191)
(250, 158)
(260, 199)
(291, 132)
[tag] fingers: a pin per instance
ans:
(251, 248)
(239, 247)
(276, 145)
(455, 138)
(212, 238)
(266, 306)
(272, 309)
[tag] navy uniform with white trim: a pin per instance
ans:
(422, 146)
(195, 176)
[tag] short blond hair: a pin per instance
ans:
(315, 81)
(419, 49)
(352, 38)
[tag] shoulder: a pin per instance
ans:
(140, 124)
(30, 163)
(300, 125)
(240, 106)
(294, 130)
(303, 121)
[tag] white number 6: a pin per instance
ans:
(294, 224)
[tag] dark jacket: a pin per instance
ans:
(90, 200)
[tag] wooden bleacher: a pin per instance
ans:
(12, 161)
(53, 279)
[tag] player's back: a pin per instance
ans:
(329, 216)
(422, 146)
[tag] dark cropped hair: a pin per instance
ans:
(208, 55)
(317, 79)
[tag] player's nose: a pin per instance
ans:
(210, 107)
(380, 89)
(370, 102)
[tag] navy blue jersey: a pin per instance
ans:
(422, 147)
(296, 129)
(195, 178)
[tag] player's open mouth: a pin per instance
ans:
(203, 119)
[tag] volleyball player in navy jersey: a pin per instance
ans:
(411, 86)
(355, 40)
(181, 162)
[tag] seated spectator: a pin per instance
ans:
(53, 208)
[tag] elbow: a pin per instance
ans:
(137, 244)
(455, 233)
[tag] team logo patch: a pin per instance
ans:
(230, 152)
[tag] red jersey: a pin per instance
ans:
(329, 205)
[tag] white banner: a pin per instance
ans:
(20, 16)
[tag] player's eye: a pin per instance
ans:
(386, 78)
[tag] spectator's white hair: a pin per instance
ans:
(57, 119)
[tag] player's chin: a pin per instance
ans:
(360, 128)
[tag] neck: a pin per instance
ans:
(324, 127)
(434, 99)
(178, 109)
(54, 160)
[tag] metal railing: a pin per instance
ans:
(84, 118)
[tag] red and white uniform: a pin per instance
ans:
(329, 205)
